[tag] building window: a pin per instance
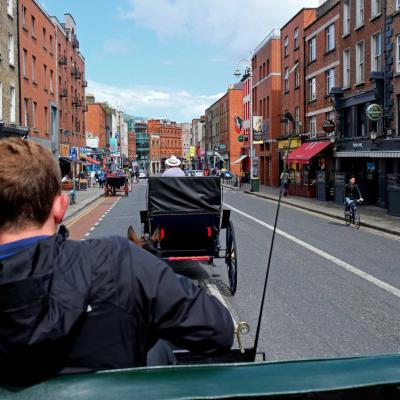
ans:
(46, 120)
(312, 49)
(24, 17)
(26, 112)
(51, 43)
(398, 111)
(312, 84)
(360, 62)
(268, 114)
(44, 38)
(297, 76)
(346, 17)
(286, 79)
(34, 110)
(1, 101)
(33, 68)
(11, 53)
(346, 68)
(313, 126)
(24, 65)
(33, 25)
(51, 81)
(296, 38)
(330, 37)
(398, 53)
(267, 68)
(12, 104)
(330, 80)
(375, 8)
(45, 76)
(397, 5)
(359, 13)
(297, 119)
(376, 52)
(286, 46)
(10, 6)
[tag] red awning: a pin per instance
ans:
(307, 151)
(91, 160)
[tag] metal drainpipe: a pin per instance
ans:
(384, 66)
(19, 69)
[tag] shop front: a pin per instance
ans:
(309, 168)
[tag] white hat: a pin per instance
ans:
(173, 162)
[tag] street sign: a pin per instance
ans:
(240, 138)
(329, 126)
(374, 112)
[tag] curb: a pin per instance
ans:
(327, 214)
(230, 187)
(83, 205)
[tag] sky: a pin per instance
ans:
(169, 58)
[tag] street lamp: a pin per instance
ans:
(238, 74)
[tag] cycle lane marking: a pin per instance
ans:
(375, 281)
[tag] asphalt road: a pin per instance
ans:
(333, 290)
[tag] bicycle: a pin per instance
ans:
(352, 215)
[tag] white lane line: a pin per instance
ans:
(92, 229)
(88, 234)
(215, 292)
(97, 224)
(375, 281)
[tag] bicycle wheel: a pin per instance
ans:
(357, 219)
(347, 217)
(231, 258)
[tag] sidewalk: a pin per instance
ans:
(371, 217)
(83, 199)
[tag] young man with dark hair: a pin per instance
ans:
(71, 306)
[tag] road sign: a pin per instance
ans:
(240, 138)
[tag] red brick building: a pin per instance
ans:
(170, 137)
(96, 122)
(361, 145)
(266, 65)
(155, 152)
(131, 145)
(293, 77)
(38, 60)
(225, 147)
(71, 84)
(52, 79)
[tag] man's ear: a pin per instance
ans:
(59, 208)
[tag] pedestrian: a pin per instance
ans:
(174, 169)
(285, 182)
(77, 306)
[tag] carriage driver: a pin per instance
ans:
(73, 306)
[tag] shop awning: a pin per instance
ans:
(240, 159)
(307, 151)
(369, 154)
(91, 160)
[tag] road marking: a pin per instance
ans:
(70, 221)
(375, 281)
(87, 234)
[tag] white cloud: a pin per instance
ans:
(237, 26)
(179, 105)
(116, 46)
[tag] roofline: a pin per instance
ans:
(73, 19)
(299, 12)
(275, 34)
(225, 94)
(322, 15)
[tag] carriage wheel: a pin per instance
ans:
(231, 257)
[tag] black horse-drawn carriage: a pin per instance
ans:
(116, 183)
(188, 215)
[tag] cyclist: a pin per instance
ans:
(351, 194)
